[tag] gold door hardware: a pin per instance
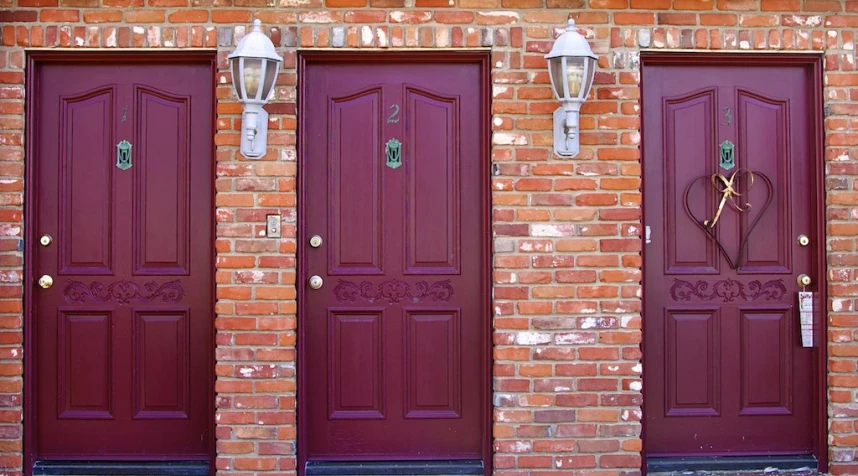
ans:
(46, 281)
(803, 280)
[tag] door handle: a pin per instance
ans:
(803, 280)
(46, 281)
(315, 281)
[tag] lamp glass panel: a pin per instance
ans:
(589, 73)
(252, 76)
(271, 68)
(575, 69)
(555, 68)
(236, 76)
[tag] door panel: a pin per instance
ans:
(692, 348)
(85, 343)
(394, 340)
(432, 183)
(123, 338)
(161, 387)
(766, 341)
(161, 192)
(725, 370)
(694, 253)
(432, 362)
(87, 129)
(355, 389)
(763, 141)
(355, 185)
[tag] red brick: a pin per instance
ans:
(520, 4)
(596, 199)
(568, 5)
(145, 16)
(759, 20)
(365, 16)
(102, 16)
(620, 461)
(189, 16)
(230, 16)
(598, 353)
(634, 18)
(615, 4)
(58, 16)
(780, 5)
(454, 17)
(694, 4)
(345, 3)
(255, 464)
(574, 184)
(18, 16)
(822, 6)
(677, 19)
(651, 4)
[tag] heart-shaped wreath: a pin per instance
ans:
(727, 188)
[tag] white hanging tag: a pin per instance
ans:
(805, 312)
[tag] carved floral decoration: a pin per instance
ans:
(393, 291)
(728, 290)
(124, 292)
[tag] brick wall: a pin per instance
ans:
(567, 263)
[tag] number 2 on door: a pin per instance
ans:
(394, 117)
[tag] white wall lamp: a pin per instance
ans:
(571, 66)
(254, 65)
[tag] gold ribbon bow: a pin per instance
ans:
(729, 193)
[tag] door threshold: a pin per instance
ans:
(394, 468)
(121, 468)
(764, 464)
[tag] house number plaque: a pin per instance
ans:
(394, 116)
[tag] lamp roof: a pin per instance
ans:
(255, 45)
(571, 43)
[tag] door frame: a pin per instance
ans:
(812, 62)
(35, 60)
(479, 57)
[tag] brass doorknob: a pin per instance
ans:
(803, 280)
(316, 282)
(46, 281)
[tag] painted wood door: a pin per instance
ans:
(725, 372)
(395, 338)
(124, 336)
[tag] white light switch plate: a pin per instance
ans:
(272, 226)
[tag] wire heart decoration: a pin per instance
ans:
(728, 189)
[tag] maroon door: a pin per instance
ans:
(725, 369)
(395, 339)
(123, 337)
